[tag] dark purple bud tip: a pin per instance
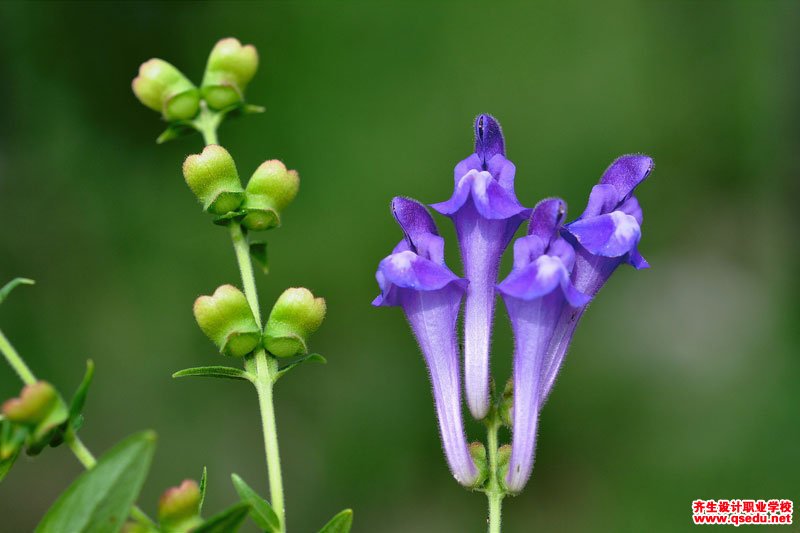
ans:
(547, 217)
(488, 138)
(413, 217)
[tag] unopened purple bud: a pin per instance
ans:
(486, 213)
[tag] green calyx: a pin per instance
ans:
(506, 406)
(212, 177)
(39, 410)
(226, 318)
(270, 190)
(163, 88)
(294, 317)
(34, 404)
(503, 457)
(179, 507)
(478, 453)
(229, 70)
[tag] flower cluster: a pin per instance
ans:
(558, 268)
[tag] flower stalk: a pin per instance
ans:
(494, 490)
(265, 369)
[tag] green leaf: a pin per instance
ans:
(203, 483)
(260, 510)
(227, 521)
(99, 500)
(341, 523)
(214, 372)
(79, 398)
(308, 358)
(258, 251)
(6, 464)
(13, 284)
(172, 132)
(252, 109)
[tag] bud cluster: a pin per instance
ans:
(227, 319)
(214, 180)
(163, 88)
(34, 419)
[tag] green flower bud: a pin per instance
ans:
(163, 88)
(230, 68)
(478, 453)
(226, 318)
(294, 317)
(179, 507)
(34, 404)
(269, 191)
(212, 177)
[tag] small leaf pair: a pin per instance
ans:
(264, 516)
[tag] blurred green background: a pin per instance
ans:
(682, 382)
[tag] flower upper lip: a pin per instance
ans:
(489, 139)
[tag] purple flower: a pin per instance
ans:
(605, 236)
(415, 278)
(486, 213)
(536, 292)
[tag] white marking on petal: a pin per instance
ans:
(402, 261)
(626, 228)
(548, 269)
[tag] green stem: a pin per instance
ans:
(207, 123)
(81, 451)
(74, 442)
(16, 361)
(494, 491)
(242, 250)
(265, 370)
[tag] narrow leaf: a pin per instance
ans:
(13, 284)
(341, 523)
(260, 510)
(79, 398)
(172, 132)
(227, 521)
(203, 483)
(308, 358)
(99, 500)
(258, 251)
(251, 109)
(214, 372)
(6, 464)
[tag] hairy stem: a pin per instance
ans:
(74, 442)
(207, 123)
(494, 491)
(265, 369)
(242, 250)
